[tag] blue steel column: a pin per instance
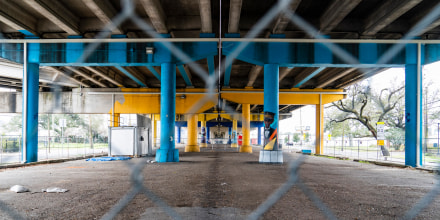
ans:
(259, 135)
(271, 94)
(179, 128)
(413, 106)
(30, 103)
(167, 151)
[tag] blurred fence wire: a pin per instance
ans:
(280, 8)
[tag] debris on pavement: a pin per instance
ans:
(19, 189)
(54, 190)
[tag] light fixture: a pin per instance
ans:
(149, 50)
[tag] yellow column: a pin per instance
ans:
(234, 134)
(192, 134)
(319, 148)
(114, 121)
(203, 126)
(246, 129)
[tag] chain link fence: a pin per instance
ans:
(128, 13)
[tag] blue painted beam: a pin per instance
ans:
(316, 72)
(120, 68)
(211, 67)
(185, 75)
(154, 72)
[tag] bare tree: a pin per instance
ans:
(367, 107)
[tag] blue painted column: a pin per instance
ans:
(30, 103)
(413, 106)
(230, 135)
(167, 151)
(208, 131)
(271, 102)
(179, 128)
(259, 135)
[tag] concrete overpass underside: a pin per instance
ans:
(236, 58)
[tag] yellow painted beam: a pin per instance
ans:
(291, 97)
(192, 134)
(246, 129)
(150, 103)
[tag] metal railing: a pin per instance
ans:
(50, 148)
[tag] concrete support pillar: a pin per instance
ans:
(271, 152)
(234, 134)
(30, 102)
(413, 105)
(192, 145)
(203, 131)
(271, 102)
(246, 129)
(319, 146)
(167, 151)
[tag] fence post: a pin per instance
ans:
(358, 149)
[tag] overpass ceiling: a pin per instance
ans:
(343, 19)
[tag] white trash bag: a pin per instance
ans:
(54, 190)
(19, 189)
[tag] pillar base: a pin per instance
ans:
(192, 148)
(203, 145)
(271, 156)
(245, 149)
(235, 145)
(167, 155)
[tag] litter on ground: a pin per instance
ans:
(108, 158)
(19, 189)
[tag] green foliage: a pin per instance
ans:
(296, 137)
(396, 136)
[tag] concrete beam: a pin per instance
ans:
(156, 14)
(238, 107)
(282, 21)
(16, 18)
(234, 16)
(68, 76)
(85, 76)
(326, 81)
(303, 77)
(104, 11)
(205, 15)
(386, 14)
(284, 73)
(335, 13)
(134, 77)
(253, 75)
(104, 76)
(57, 13)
